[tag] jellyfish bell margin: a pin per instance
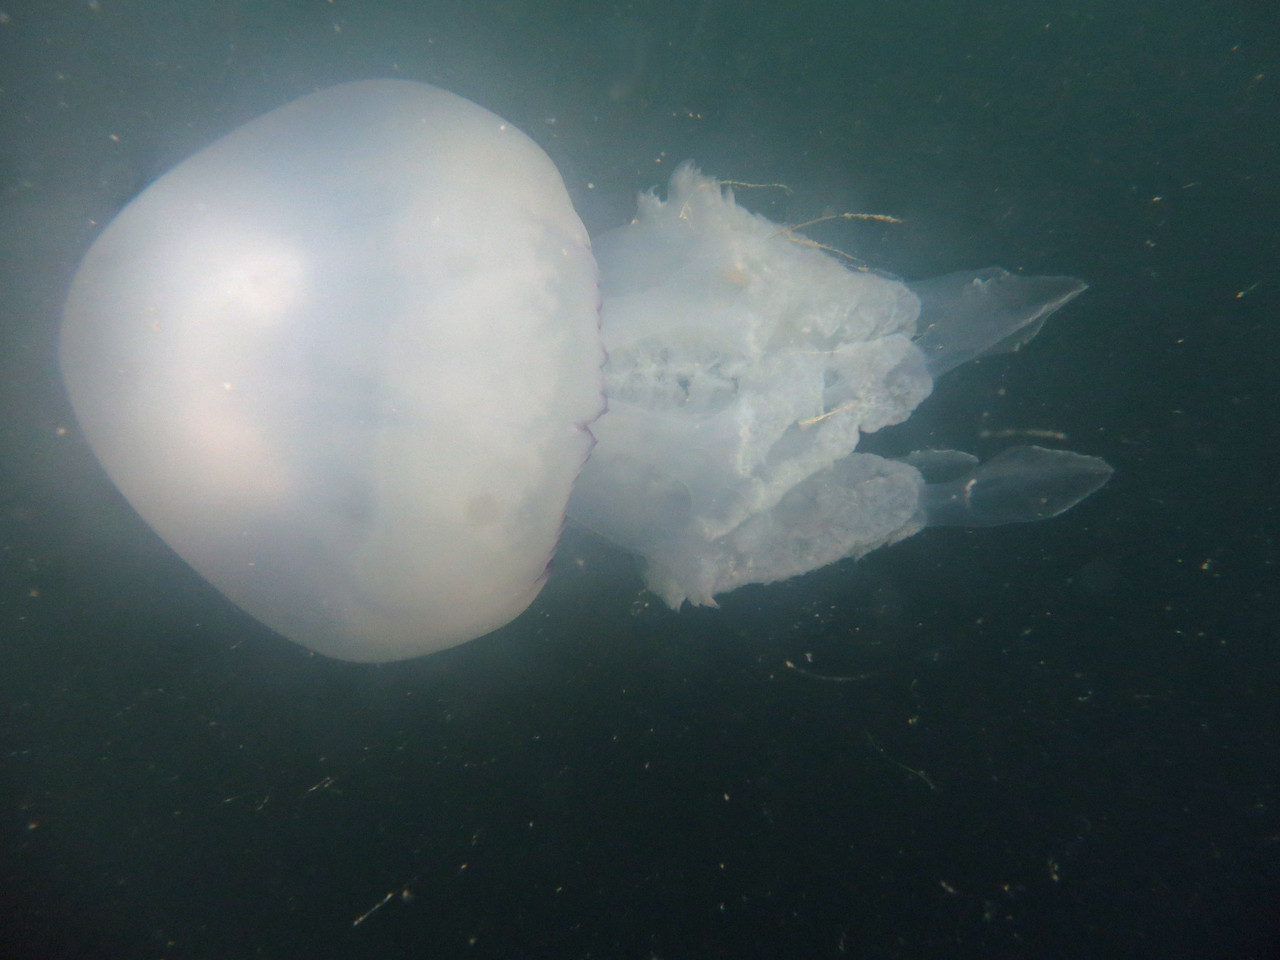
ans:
(359, 382)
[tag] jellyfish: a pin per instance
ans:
(358, 363)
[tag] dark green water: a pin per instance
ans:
(1064, 740)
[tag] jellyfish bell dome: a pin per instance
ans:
(344, 361)
(351, 362)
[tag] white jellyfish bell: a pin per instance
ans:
(349, 361)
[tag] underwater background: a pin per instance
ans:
(1044, 740)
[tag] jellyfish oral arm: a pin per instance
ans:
(743, 369)
(967, 315)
